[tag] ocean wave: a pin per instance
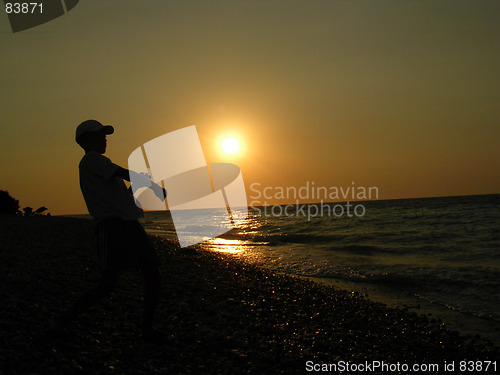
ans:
(286, 238)
(359, 249)
(385, 278)
(415, 281)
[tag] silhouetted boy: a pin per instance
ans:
(122, 241)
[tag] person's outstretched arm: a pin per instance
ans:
(143, 179)
(123, 173)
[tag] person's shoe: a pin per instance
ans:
(155, 337)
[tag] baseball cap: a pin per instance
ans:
(91, 126)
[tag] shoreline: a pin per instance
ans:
(223, 315)
(467, 324)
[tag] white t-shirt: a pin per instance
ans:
(105, 195)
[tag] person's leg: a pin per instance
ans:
(88, 298)
(153, 289)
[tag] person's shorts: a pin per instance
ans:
(124, 245)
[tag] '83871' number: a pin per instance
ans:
(24, 8)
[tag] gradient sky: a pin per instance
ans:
(402, 95)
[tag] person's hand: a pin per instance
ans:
(160, 192)
(140, 180)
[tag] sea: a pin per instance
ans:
(434, 256)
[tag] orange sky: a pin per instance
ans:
(399, 95)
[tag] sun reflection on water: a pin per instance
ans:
(226, 246)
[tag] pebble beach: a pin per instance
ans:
(222, 315)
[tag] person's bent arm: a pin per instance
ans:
(142, 179)
(123, 173)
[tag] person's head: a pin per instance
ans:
(91, 135)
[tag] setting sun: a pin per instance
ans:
(230, 145)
